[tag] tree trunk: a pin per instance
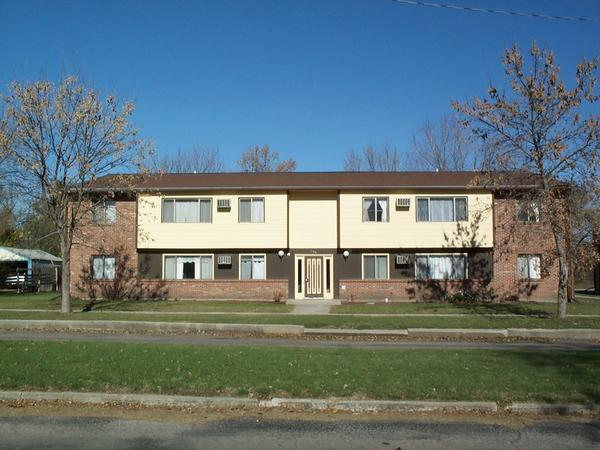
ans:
(563, 278)
(65, 276)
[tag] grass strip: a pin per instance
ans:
(324, 321)
(502, 376)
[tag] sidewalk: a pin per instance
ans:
(573, 334)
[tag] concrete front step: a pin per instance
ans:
(313, 302)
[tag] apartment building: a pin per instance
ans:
(315, 235)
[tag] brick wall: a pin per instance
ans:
(404, 290)
(110, 239)
(223, 289)
(512, 238)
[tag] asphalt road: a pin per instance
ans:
(251, 433)
(287, 342)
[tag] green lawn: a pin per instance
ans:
(51, 300)
(581, 305)
(327, 321)
(300, 372)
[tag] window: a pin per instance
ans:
(104, 212)
(375, 209)
(252, 209)
(441, 209)
(529, 267)
(528, 212)
(375, 267)
(103, 267)
(441, 267)
(188, 267)
(187, 210)
(252, 267)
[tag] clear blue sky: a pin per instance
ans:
(310, 78)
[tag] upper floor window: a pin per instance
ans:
(375, 209)
(375, 267)
(528, 211)
(103, 267)
(188, 267)
(252, 267)
(252, 209)
(187, 210)
(104, 212)
(529, 267)
(441, 267)
(441, 209)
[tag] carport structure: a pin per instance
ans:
(30, 267)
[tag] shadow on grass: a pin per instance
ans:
(578, 370)
(520, 309)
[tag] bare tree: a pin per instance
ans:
(61, 138)
(443, 146)
(263, 159)
(547, 130)
(197, 159)
(385, 159)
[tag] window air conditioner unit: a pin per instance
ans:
(223, 203)
(402, 260)
(224, 260)
(403, 203)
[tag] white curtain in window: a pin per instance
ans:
(523, 267)
(98, 267)
(258, 210)
(258, 267)
(459, 267)
(186, 211)
(181, 260)
(440, 267)
(206, 268)
(205, 211)
(441, 209)
(109, 267)
(422, 268)
(170, 267)
(168, 211)
(246, 268)
(383, 206)
(111, 211)
(422, 210)
(381, 267)
(368, 209)
(535, 269)
(461, 208)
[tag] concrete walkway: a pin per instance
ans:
(286, 342)
(313, 309)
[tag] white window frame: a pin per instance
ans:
(376, 198)
(104, 257)
(417, 255)
(252, 200)
(436, 197)
(175, 199)
(264, 255)
(529, 256)
(387, 266)
(183, 255)
(103, 205)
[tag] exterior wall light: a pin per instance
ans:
(280, 253)
(346, 254)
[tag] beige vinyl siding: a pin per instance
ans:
(224, 232)
(313, 219)
(403, 230)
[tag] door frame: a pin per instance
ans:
(300, 258)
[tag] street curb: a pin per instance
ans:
(141, 326)
(296, 404)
